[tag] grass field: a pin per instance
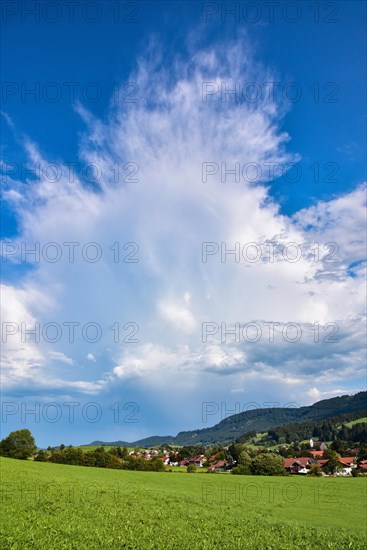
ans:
(71, 507)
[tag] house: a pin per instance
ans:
(298, 465)
(219, 466)
(198, 461)
(348, 463)
(183, 463)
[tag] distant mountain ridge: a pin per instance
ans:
(259, 420)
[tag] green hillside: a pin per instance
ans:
(258, 420)
(351, 427)
(72, 507)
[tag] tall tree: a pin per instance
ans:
(19, 444)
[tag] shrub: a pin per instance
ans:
(241, 470)
(42, 456)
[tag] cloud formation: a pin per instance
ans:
(163, 188)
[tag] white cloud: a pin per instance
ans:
(169, 212)
(59, 356)
(178, 315)
(318, 395)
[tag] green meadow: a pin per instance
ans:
(358, 421)
(72, 507)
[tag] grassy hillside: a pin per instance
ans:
(358, 421)
(71, 507)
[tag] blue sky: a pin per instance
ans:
(173, 133)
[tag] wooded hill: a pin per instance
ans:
(257, 420)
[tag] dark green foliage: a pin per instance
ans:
(120, 452)
(73, 456)
(326, 430)
(315, 471)
(333, 464)
(338, 445)
(19, 444)
(267, 464)
(42, 456)
(140, 464)
(101, 459)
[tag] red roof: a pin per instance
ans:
(321, 463)
(304, 460)
(316, 453)
(219, 464)
(347, 460)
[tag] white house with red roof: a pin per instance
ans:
(298, 465)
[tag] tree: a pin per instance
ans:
(333, 464)
(244, 459)
(19, 444)
(267, 464)
(62, 447)
(122, 452)
(155, 465)
(338, 445)
(362, 455)
(315, 470)
(191, 469)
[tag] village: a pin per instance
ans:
(314, 460)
